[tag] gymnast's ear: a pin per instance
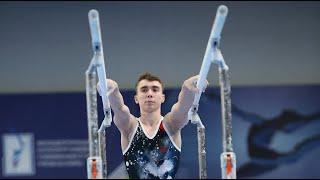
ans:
(136, 99)
(163, 98)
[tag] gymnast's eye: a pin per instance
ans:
(144, 89)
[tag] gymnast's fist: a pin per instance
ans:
(191, 84)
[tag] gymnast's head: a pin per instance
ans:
(149, 91)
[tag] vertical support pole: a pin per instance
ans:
(202, 151)
(102, 152)
(228, 158)
(94, 162)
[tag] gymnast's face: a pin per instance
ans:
(149, 95)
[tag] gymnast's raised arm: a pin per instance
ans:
(177, 118)
(123, 119)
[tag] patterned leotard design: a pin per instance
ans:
(156, 158)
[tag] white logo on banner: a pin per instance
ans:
(18, 154)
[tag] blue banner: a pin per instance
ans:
(275, 133)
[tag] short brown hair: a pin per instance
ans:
(150, 77)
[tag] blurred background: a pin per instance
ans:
(272, 49)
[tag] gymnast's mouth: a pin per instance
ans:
(149, 102)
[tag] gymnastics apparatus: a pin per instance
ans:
(97, 162)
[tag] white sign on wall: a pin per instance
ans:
(18, 154)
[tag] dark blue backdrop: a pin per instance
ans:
(275, 130)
